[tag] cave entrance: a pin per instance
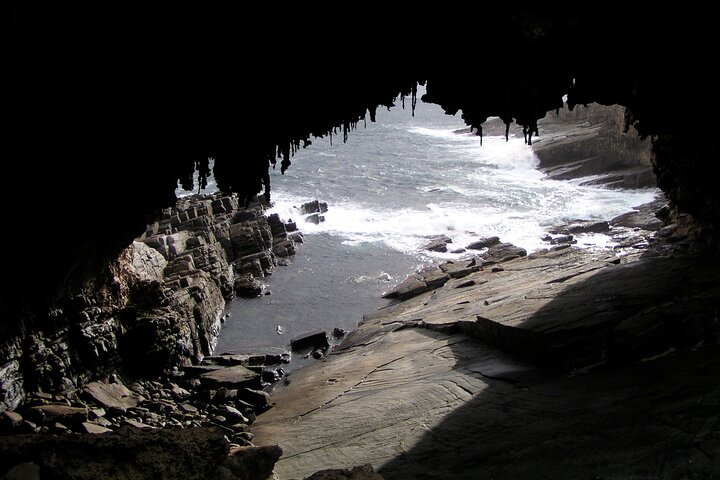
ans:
(409, 191)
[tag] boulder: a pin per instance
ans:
(9, 419)
(57, 413)
(484, 242)
(296, 237)
(112, 395)
(314, 206)
(562, 239)
(94, 428)
(315, 218)
(589, 227)
(503, 252)
(230, 378)
(251, 463)
(148, 262)
(284, 248)
(277, 227)
(438, 244)
(313, 340)
(247, 286)
(408, 288)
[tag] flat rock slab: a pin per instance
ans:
(415, 394)
(112, 395)
(231, 378)
(416, 403)
(61, 413)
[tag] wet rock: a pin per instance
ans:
(562, 239)
(297, 237)
(408, 288)
(637, 219)
(277, 227)
(314, 206)
(484, 242)
(247, 286)
(315, 340)
(437, 244)
(339, 332)
(271, 375)
(503, 252)
(588, 227)
(284, 248)
(315, 218)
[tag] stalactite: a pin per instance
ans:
(266, 183)
(507, 131)
(373, 111)
(414, 98)
(203, 169)
(286, 157)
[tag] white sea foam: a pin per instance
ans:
(403, 182)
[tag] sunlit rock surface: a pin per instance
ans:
(565, 362)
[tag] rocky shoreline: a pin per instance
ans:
(167, 294)
(493, 366)
(133, 352)
(159, 306)
(589, 143)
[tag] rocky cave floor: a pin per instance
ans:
(574, 363)
(561, 364)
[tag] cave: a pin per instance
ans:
(107, 110)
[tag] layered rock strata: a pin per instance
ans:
(158, 306)
(564, 361)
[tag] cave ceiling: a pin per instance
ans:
(105, 110)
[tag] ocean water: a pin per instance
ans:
(390, 188)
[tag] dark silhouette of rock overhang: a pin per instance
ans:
(104, 110)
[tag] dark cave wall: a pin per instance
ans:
(107, 109)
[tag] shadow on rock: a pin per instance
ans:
(648, 411)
